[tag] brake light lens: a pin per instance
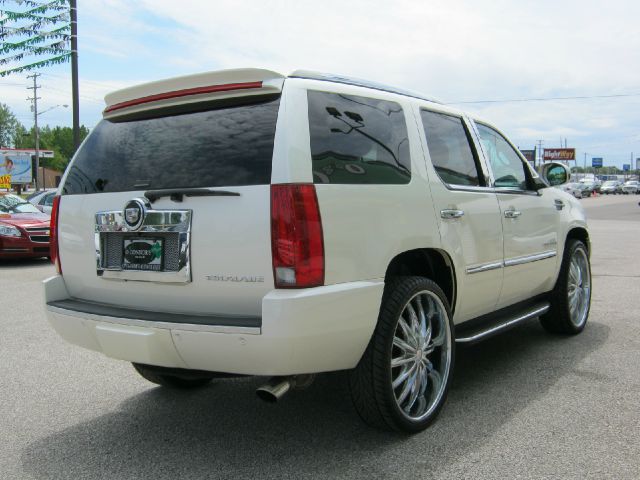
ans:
(53, 235)
(297, 243)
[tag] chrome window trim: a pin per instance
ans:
(510, 262)
(189, 327)
(155, 221)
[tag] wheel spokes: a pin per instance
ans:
(422, 329)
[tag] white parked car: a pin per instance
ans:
(610, 186)
(631, 186)
(43, 200)
(246, 222)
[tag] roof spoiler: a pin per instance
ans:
(192, 89)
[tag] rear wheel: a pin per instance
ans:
(571, 297)
(402, 380)
(175, 379)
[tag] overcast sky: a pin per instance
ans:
(456, 51)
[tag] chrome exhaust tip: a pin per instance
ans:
(276, 387)
(274, 390)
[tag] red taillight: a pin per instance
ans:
(297, 245)
(53, 234)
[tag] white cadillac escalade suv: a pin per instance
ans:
(243, 222)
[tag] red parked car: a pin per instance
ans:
(24, 230)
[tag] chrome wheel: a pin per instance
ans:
(579, 287)
(421, 355)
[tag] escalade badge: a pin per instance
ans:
(134, 212)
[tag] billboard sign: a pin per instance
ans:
(626, 167)
(17, 166)
(596, 162)
(554, 154)
(530, 155)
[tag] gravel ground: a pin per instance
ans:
(522, 405)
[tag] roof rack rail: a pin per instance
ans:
(328, 77)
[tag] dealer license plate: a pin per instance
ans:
(142, 254)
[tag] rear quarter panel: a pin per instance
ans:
(364, 226)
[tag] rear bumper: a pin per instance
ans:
(300, 331)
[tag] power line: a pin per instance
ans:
(546, 99)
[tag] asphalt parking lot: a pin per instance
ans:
(523, 405)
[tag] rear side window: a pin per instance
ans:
(231, 146)
(357, 140)
(450, 149)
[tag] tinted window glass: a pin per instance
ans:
(357, 140)
(507, 167)
(229, 146)
(10, 203)
(450, 150)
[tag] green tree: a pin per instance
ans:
(9, 126)
(58, 139)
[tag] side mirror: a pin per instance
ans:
(555, 173)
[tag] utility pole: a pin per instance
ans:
(540, 154)
(74, 74)
(35, 99)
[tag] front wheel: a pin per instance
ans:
(571, 297)
(402, 379)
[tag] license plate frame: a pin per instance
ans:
(143, 254)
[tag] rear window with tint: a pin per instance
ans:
(357, 140)
(450, 149)
(231, 146)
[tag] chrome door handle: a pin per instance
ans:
(512, 214)
(451, 213)
(559, 204)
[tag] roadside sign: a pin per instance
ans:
(5, 181)
(530, 155)
(17, 166)
(596, 162)
(626, 167)
(559, 154)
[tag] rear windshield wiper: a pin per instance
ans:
(177, 194)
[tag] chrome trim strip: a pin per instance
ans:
(485, 267)
(190, 327)
(510, 262)
(503, 326)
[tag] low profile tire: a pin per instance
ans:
(168, 380)
(401, 381)
(571, 297)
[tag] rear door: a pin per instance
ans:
(169, 210)
(469, 215)
(530, 221)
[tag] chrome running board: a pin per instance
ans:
(500, 324)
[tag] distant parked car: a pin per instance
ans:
(43, 200)
(610, 186)
(24, 230)
(572, 189)
(586, 188)
(631, 186)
